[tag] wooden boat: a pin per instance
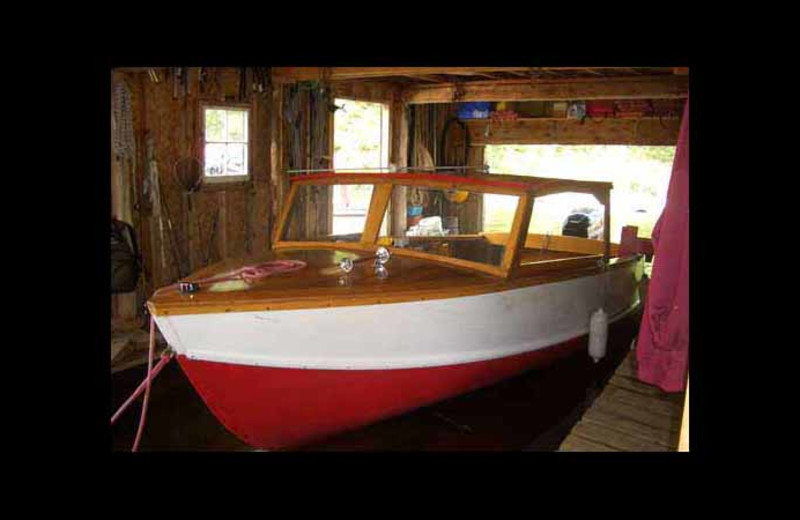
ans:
(314, 350)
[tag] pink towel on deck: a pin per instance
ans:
(662, 350)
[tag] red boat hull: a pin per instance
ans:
(274, 408)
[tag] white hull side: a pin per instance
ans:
(406, 335)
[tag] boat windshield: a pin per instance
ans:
(328, 213)
(420, 219)
(450, 223)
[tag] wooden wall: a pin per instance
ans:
(173, 124)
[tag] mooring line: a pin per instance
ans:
(152, 372)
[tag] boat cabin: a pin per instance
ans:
(502, 248)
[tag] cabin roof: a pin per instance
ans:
(538, 186)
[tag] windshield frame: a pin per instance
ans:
(526, 188)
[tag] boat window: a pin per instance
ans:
(566, 215)
(311, 217)
(640, 174)
(446, 223)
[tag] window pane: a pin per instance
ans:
(309, 218)
(237, 129)
(215, 159)
(360, 135)
(640, 175)
(215, 125)
(498, 212)
(573, 214)
(433, 225)
(236, 160)
(350, 205)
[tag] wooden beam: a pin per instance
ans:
(375, 91)
(423, 77)
(398, 155)
(640, 87)
(645, 132)
(290, 74)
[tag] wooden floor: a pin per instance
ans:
(628, 416)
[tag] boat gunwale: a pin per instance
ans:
(528, 277)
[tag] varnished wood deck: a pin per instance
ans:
(628, 416)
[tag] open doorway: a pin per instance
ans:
(360, 141)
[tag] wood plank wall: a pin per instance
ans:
(174, 126)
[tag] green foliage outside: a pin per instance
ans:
(360, 140)
(226, 137)
(361, 132)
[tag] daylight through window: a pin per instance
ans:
(226, 142)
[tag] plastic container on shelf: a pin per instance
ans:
(475, 110)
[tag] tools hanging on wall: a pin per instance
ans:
(161, 210)
(262, 80)
(122, 148)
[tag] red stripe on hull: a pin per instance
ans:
(276, 408)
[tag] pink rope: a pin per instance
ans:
(143, 415)
(152, 372)
(249, 273)
(165, 358)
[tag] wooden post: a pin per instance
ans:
(683, 444)
(278, 183)
(398, 155)
(607, 227)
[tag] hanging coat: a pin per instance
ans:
(662, 350)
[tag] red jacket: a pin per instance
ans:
(663, 344)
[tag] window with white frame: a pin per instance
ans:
(226, 143)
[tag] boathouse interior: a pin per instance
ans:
(201, 162)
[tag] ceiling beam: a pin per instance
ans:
(650, 132)
(289, 74)
(565, 89)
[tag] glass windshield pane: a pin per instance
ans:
(568, 214)
(448, 223)
(328, 213)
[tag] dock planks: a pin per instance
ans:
(628, 416)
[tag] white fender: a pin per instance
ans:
(598, 335)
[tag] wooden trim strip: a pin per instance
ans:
(381, 194)
(519, 229)
(363, 247)
(284, 215)
(529, 268)
(448, 260)
(493, 183)
(557, 243)
(532, 277)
